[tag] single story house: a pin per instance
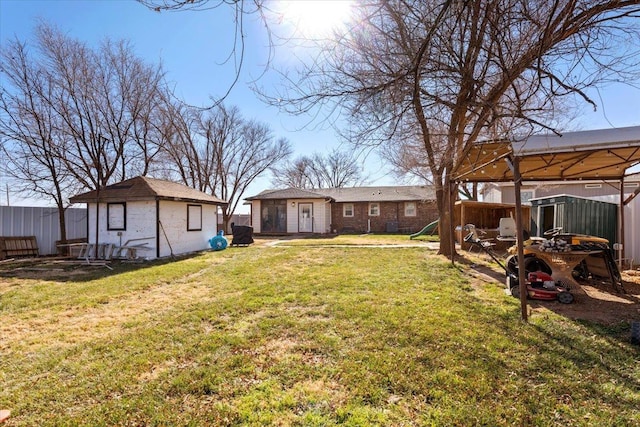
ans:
(604, 191)
(404, 209)
(160, 218)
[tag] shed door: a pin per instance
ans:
(305, 217)
(548, 218)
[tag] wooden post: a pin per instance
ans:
(621, 225)
(452, 229)
(514, 165)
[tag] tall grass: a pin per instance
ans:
(308, 336)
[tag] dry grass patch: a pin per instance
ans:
(313, 336)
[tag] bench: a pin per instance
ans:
(18, 246)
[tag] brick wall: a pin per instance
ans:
(390, 212)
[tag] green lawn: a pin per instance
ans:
(303, 335)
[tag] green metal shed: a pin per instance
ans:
(575, 215)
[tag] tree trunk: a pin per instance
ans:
(63, 229)
(226, 216)
(445, 196)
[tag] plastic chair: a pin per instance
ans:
(507, 230)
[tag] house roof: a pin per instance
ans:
(354, 194)
(145, 188)
(288, 193)
(592, 154)
(381, 194)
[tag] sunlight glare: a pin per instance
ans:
(315, 18)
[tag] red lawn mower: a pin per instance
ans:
(540, 284)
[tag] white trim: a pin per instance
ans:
(410, 212)
(377, 209)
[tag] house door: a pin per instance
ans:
(305, 217)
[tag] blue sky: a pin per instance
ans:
(192, 45)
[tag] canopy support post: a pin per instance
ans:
(514, 165)
(621, 225)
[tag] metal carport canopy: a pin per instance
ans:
(592, 154)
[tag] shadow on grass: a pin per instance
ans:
(594, 302)
(75, 270)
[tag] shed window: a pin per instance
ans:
(116, 216)
(410, 209)
(347, 210)
(194, 217)
(374, 209)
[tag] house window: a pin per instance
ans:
(526, 196)
(347, 210)
(116, 216)
(374, 209)
(194, 217)
(410, 209)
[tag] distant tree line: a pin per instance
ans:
(75, 118)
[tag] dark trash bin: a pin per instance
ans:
(242, 235)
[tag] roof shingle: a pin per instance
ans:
(354, 194)
(145, 188)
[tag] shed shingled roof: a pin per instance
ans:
(145, 188)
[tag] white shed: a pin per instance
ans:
(160, 218)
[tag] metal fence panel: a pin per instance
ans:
(43, 223)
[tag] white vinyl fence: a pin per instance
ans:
(42, 223)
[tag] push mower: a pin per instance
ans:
(540, 284)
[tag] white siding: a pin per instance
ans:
(255, 215)
(492, 194)
(327, 216)
(175, 237)
(320, 215)
(632, 230)
(292, 216)
(140, 227)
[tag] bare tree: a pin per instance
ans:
(103, 99)
(241, 9)
(336, 169)
(188, 155)
(74, 117)
(220, 152)
(29, 129)
(447, 73)
(409, 161)
(296, 174)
